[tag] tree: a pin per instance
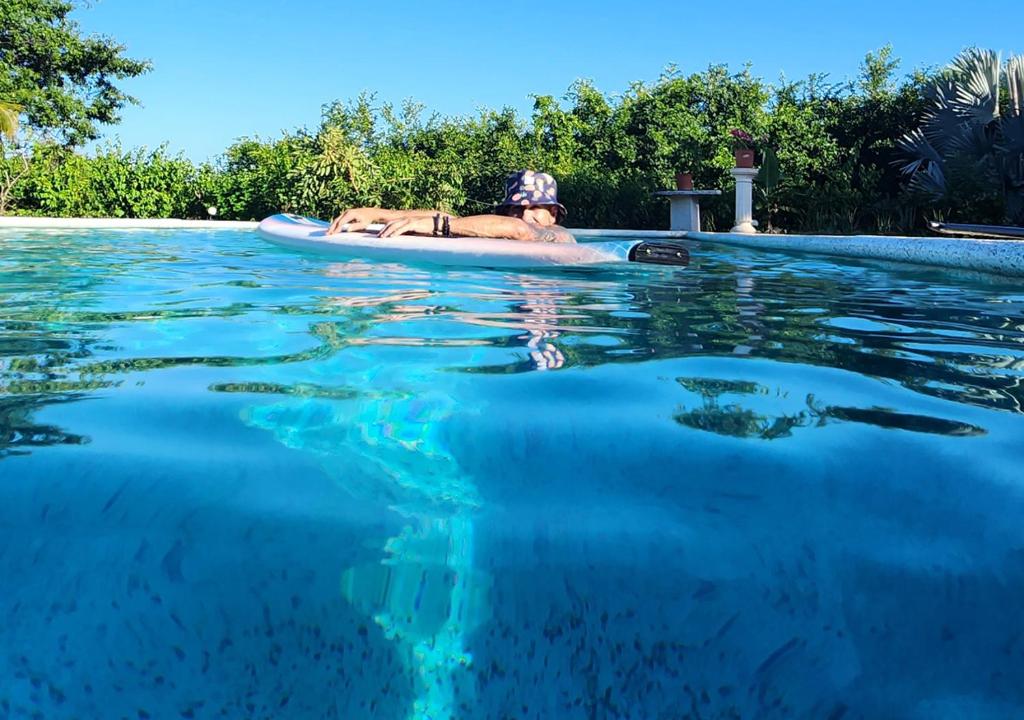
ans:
(969, 151)
(12, 168)
(62, 81)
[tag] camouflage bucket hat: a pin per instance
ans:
(526, 187)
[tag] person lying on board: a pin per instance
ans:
(529, 212)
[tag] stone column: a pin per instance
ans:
(744, 200)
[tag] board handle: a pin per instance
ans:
(659, 253)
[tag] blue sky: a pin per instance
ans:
(224, 69)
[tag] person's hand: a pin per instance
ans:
(354, 220)
(406, 226)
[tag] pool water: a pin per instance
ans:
(237, 481)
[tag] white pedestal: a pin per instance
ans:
(744, 200)
(685, 207)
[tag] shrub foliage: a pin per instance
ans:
(833, 150)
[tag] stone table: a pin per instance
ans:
(685, 207)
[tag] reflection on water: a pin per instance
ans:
(732, 418)
(19, 433)
(425, 593)
(549, 494)
(964, 344)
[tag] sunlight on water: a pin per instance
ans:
(238, 481)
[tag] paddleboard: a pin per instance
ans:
(308, 234)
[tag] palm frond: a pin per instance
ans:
(929, 181)
(975, 142)
(941, 92)
(1015, 84)
(918, 148)
(922, 163)
(942, 124)
(1011, 136)
(977, 92)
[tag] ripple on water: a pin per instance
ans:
(254, 483)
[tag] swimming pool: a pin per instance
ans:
(239, 481)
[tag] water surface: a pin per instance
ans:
(239, 481)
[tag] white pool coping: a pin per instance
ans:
(991, 255)
(1002, 257)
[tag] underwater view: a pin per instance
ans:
(240, 481)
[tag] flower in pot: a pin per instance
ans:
(684, 181)
(742, 147)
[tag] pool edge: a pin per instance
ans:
(1002, 257)
(47, 223)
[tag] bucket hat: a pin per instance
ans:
(526, 187)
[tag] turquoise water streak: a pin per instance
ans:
(238, 481)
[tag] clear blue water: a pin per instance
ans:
(241, 482)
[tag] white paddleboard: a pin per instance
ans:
(302, 233)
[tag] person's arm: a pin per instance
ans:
(490, 226)
(358, 218)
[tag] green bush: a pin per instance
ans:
(833, 148)
(112, 183)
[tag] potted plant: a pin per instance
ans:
(742, 147)
(687, 158)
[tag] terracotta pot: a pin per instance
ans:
(684, 181)
(744, 158)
